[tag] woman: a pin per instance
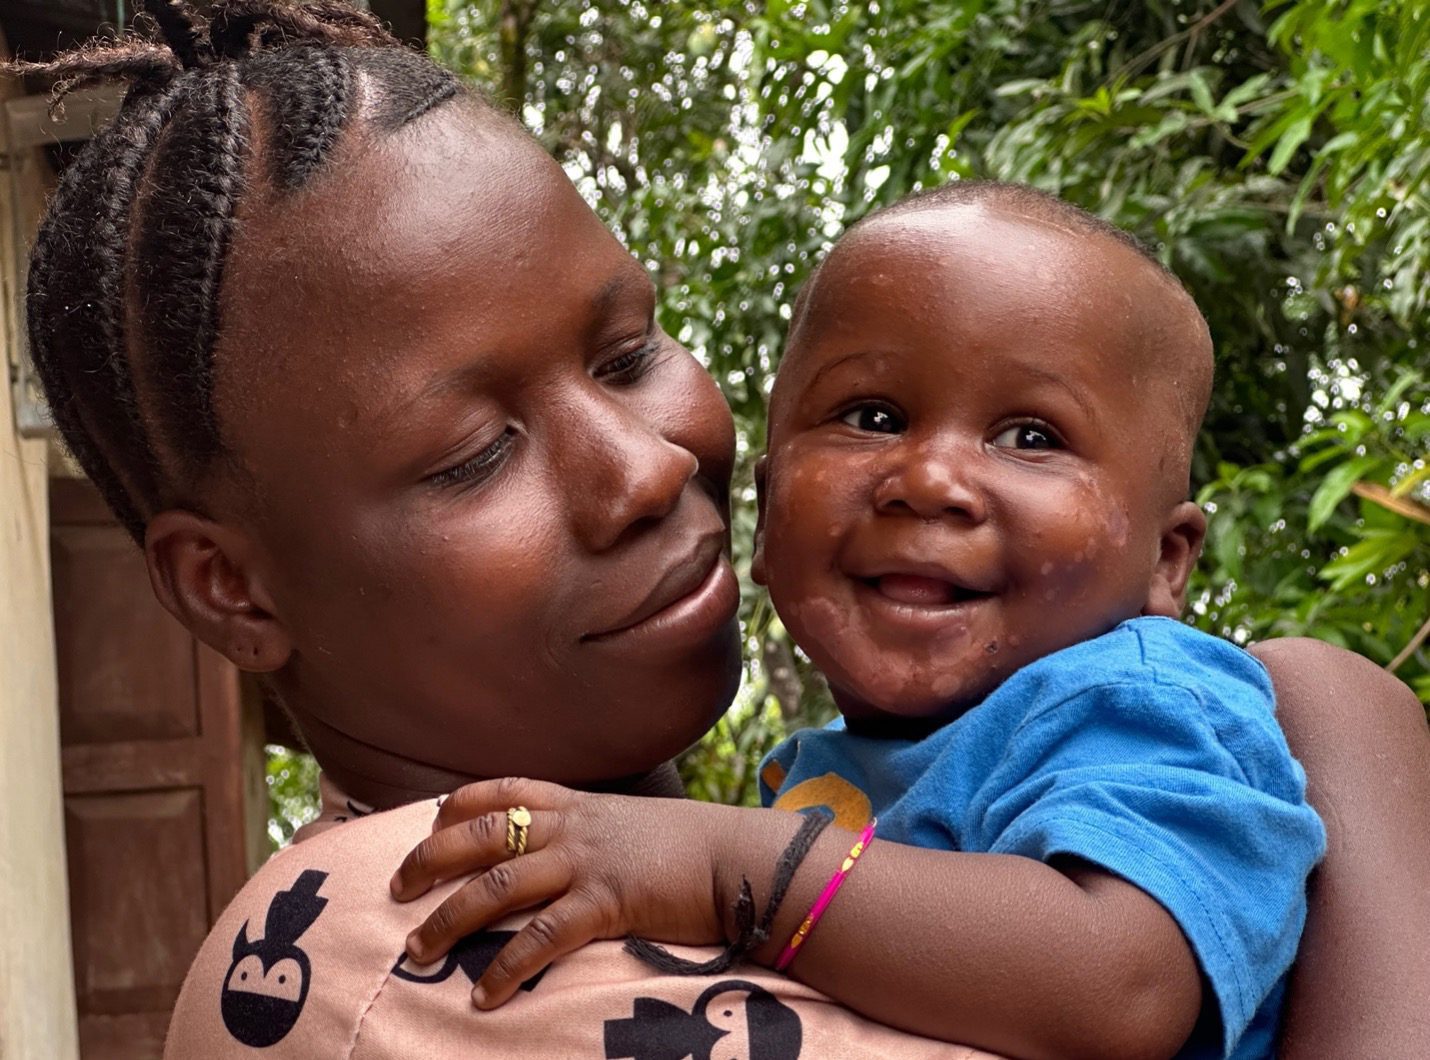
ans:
(389, 412)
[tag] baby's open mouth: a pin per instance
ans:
(921, 591)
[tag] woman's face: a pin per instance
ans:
(488, 492)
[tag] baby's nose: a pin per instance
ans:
(931, 488)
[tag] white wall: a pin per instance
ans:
(37, 1007)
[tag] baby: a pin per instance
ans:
(974, 521)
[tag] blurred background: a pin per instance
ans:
(1276, 156)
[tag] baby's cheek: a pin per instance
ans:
(1082, 556)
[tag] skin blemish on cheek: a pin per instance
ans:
(1119, 525)
(348, 417)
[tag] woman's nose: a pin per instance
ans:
(931, 486)
(621, 475)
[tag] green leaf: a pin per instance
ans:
(1334, 488)
(1201, 92)
(1294, 136)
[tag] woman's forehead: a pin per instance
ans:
(413, 250)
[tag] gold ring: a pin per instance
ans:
(518, 820)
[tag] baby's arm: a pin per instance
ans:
(998, 951)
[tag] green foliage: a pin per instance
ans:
(1275, 157)
(292, 779)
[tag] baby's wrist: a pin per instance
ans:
(728, 871)
(765, 852)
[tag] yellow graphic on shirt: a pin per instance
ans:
(850, 806)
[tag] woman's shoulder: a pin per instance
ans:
(311, 934)
(307, 961)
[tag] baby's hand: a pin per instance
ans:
(609, 865)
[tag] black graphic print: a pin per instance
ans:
(267, 983)
(355, 810)
(472, 954)
(732, 1020)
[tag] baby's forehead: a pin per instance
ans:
(1021, 260)
(1029, 242)
(1033, 291)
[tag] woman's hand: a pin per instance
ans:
(609, 865)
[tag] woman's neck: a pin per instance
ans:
(384, 779)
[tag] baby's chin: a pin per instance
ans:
(908, 703)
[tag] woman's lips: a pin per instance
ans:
(688, 605)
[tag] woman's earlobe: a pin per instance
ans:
(204, 575)
(1180, 545)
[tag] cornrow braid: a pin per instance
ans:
(125, 295)
(196, 177)
(131, 58)
(76, 328)
(307, 125)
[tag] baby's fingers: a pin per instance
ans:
(552, 933)
(466, 846)
(497, 796)
(505, 888)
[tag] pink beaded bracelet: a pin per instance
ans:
(825, 897)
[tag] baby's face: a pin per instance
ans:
(968, 459)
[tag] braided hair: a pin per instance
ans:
(126, 273)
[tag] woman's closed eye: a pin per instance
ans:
(629, 366)
(479, 468)
(875, 417)
(1028, 436)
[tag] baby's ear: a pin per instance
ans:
(762, 492)
(205, 575)
(1181, 543)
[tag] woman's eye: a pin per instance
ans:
(877, 419)
(479, 468)
(1027, 436)
(629, 366)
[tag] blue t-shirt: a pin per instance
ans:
(1152, 752)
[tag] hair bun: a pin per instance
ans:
(181, 39)
(238, 28)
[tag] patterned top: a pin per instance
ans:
(307, 961)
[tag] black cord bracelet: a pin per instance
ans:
(750, 934)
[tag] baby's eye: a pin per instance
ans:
(877, 419)
(1027, 436)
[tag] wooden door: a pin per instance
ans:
(158, 778)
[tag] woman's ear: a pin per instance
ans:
(757, 561)
(1181, 543)
(205, 576)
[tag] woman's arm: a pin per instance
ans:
(1361, 981)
